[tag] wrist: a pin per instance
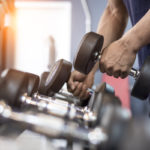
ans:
(132, 40)
(91, 74)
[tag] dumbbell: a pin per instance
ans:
(61, 94)
(14, 86)
(103, 95)
(50, 126)
(117, 131)
(60, 72)
(53, 81)
(54, 127)
(89, 52)
(104, 120)
(34, 86)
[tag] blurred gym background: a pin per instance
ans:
(36, 33)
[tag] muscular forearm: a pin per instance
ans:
(139, 35)
(112, 25)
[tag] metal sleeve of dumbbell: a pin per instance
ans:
(53, 127)
(89, 52)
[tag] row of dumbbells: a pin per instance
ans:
(100, 124)
(100, 120)
(16, 88)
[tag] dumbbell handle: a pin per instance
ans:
(67, 96)
(133, 72)
(57, 107)
(52, 126)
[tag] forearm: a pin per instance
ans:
(112, 25)
(139, 35)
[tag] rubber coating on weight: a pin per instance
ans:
(33, 83)
(42, 90)
(59, 74)
(89, 45)
(103, 98)
(13, 85)
(141, 88)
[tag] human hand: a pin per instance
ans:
(79, 83)
(117, 59)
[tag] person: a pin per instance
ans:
(119, 51)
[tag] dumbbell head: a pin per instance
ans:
(14, 83)
(104, 96)
(88, 52)
(58, 75)
(136, 136)
(115, 123)
(42, 89)
(141, 88)
(123, 132)
(33, 83)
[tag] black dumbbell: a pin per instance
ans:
(89, 52)
(53, 81)
(61, 94)
(18, 98)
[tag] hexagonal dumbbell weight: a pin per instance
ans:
(89, 52)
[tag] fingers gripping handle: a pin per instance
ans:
(133, 72)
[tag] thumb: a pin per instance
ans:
(70, 85)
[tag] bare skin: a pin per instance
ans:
(79, 83)
(118, 58)
(119, 52)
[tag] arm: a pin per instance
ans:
(111, 26)
(139, 35)
(118, 58)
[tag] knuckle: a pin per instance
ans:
(102, 61)
(109, 74)
(116, 72)
(124, 75)
(109, 66)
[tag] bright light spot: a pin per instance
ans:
(35, 23)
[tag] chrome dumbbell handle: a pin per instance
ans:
(134, 73)
(52, 126)
(56, 107)
(64, 95)
(63, 108)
